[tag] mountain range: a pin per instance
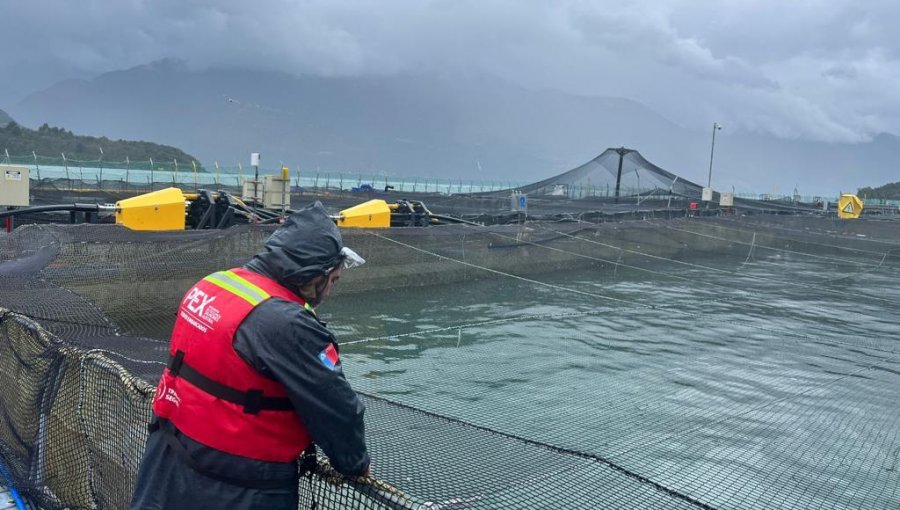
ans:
(467, 127)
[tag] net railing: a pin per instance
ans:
(72, 174)
(718, 362)
(596, 178)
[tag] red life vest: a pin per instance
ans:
(212, 395)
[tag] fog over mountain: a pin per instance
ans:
(432, 126)
(807, 91)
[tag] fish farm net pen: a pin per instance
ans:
(741, 362)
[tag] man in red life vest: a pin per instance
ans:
(254, 378)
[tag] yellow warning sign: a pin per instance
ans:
(849, 206)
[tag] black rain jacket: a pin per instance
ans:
(283, 342)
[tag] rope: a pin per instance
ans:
(501, 273)
(557, 449)
(634, 305)
(774, 226)
(471, 325)
(815, 286)
(783, 250)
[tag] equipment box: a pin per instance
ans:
(276, 192)
(14, 185)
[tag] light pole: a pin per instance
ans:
(712, 150)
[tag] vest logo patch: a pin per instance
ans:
(172, 396)
(329, 357)
(163, 392)
(198, 310)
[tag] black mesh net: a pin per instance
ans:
(746, 362)
(615, 172)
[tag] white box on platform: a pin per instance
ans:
(276, 192)
(14, 186)
(252, 191)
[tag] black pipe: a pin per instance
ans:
(51, 208)
(455, 220)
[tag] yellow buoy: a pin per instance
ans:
(849, 206)
(372, 214)
(158, 210)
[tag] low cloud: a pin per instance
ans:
(820, 71)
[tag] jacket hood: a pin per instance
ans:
(308, 244)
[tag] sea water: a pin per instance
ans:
(773, 385)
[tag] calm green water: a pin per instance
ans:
(777, 386)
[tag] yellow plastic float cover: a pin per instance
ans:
(849, 206)
(158, 210)
(372, 214)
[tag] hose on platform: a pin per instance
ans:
(52, 208)
(17, 498)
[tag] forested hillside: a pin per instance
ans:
(890, 191)
(52, 142)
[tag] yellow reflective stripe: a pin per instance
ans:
(238, 286)
(248, 284)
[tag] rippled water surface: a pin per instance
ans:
(769, 384)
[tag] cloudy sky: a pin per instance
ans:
(825, 70)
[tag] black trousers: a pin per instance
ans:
(166, 482)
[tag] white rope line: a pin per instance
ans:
(508, 275)
(820, 232)
(122, 356)
(750, 251)
(695, 266)
(867, 271)
(783, 250)
(814, 286)
(634, 305)
(802, 338)
(470, 325)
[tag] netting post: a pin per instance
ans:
(100, 177)
(37, 169)
(66, 163)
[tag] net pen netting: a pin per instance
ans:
(735, 362)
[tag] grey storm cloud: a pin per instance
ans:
(821, 70)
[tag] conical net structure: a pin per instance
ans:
(622, 169)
